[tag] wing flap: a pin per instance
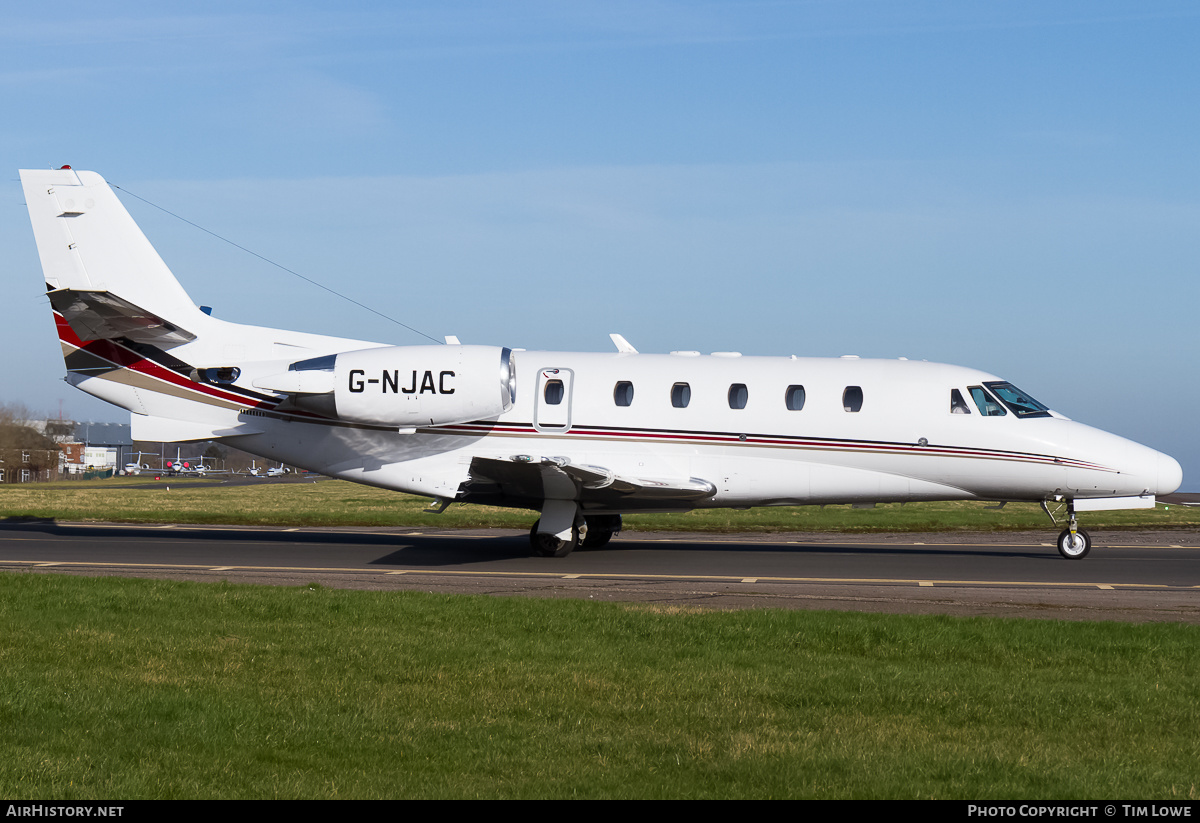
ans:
(593, 486)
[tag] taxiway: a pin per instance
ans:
(1129, 576)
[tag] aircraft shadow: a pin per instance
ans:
(434, 551)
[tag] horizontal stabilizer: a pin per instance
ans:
(100, 315)
(165, 430)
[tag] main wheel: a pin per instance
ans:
(595, 539)
(551, 545)
(1074, 546)
(600, 529)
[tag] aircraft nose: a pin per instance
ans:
(1138, 469)
(1170, 474)
(1156, 472)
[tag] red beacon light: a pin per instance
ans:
(64, 168)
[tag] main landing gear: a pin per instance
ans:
(566, 529)
(1074, 543)
(545, 544)
(600, 529)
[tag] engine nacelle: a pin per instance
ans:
(423, 385)
(404, 386)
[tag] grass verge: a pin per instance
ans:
(114, 688)
(340, 503)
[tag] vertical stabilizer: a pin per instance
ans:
(130, 334)
(88, 242)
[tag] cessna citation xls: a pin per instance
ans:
(580, 438)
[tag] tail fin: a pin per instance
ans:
(131, 335)
(88, 243)
(117, 306)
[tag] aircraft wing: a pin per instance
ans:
(596, 488)
(101, 315)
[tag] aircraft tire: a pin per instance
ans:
(595, 539)
(1077, 548)
(601, 528)
(549, 545)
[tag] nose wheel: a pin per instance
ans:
(1074, 544)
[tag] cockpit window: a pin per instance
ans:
(986, 404)
(1018, 402)
(957, 404)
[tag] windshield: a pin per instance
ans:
(1018, 402)
(987, 404)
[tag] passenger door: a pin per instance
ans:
(552, 406)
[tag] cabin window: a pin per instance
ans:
(1018, 402)
(623, 393)
(957, 404)
(986, 404)
(738, 395)
(794, 398)
(554, 392)
(852, 398)
(681, 395)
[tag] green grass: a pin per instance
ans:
(339, 503)
(129, 689)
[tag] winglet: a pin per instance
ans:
(622, 344)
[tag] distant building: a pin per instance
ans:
(84, 447)
(106, 445)
(26, 455)
(72, 458)
(60, 431)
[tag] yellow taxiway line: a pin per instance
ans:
(877, 581)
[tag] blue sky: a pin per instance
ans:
(1013, 186)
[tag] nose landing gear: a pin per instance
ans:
(1074, 543)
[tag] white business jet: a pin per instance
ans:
(580, 438)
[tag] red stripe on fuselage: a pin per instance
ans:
(584, 432)
(125, 358)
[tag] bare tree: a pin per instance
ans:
(25, 453)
